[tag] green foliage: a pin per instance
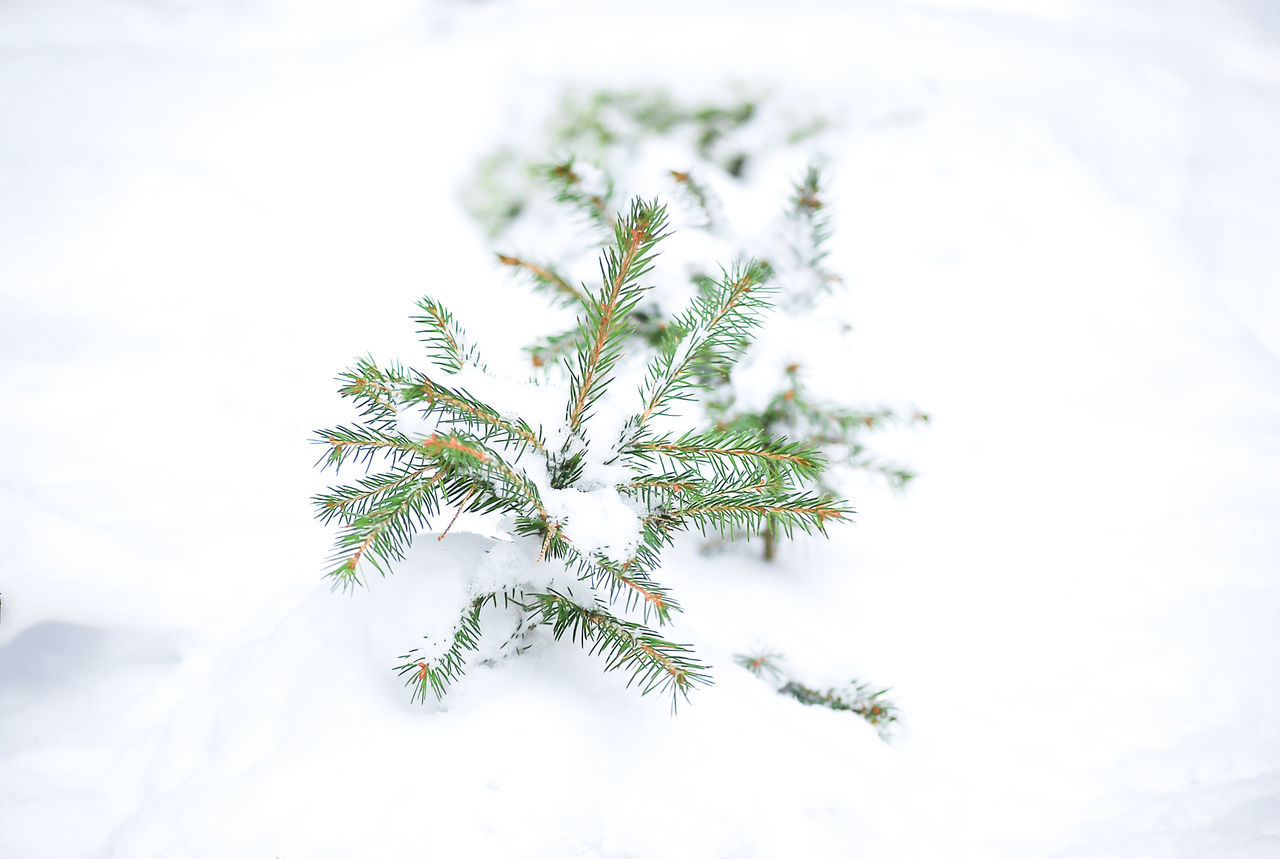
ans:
(604, 119)
(606, 324)
(589, 128)
(857, 698)
(601, 133)
(766, 664)
(479, 459)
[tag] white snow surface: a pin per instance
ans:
(1057, 221)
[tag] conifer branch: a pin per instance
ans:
(546, 277)
(874, 707)
(727, 452)
(635, 587)
(627, 580)
(569, 190)
(456, 449)
(440, 333)
(554, 349)
(374, 389)
(362, 445)
(662, 488)
(381, 513)
(607, 321)
(733, 514)
(701, 197)
(381, 535)
(523, 486)
(809, 213)
(436, 675)
(836, 430)
(653, 662)
(462, 505)
(550, 533)
(715, 330)
(498, 486)
(466, 409)
(761, 664)
(370, 492)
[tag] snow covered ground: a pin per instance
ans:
(1059, 221)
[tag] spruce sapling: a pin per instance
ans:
(550, 481)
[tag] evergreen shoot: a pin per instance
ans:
(588, 500)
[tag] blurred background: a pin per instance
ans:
(1057, 224)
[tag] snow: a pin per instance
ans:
(597, 520)
(420, 604)
(1056, 221)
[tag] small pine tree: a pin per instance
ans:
(555, 482)
(610, 128)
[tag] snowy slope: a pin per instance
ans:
(1058, 221)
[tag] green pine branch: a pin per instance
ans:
(446, 343)
(552, 350)
(606, 322)
(436, 675)
(364, 445)
(370, 492)
(857, 698)
(808, 212)
(373, 388)
(765, 664)
(702, 198)
(379, 536)
(727, 453)
(655, 664)
(743, 512)
(545, 279)
(569, 187)
(456, 406)
(705, 340)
